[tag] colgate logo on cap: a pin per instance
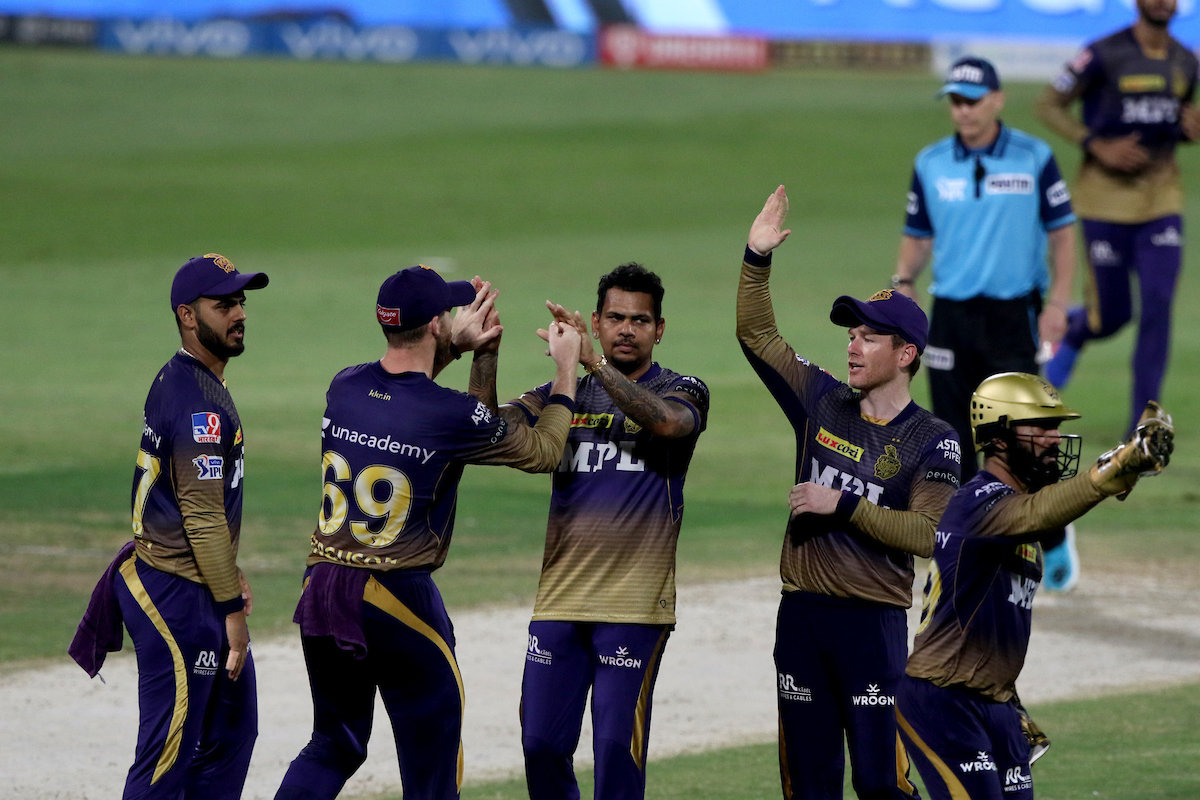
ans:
(387, 316)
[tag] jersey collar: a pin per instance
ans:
(995, 149)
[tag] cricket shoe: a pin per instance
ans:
(1060, 572)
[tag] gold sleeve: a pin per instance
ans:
(202, 504)
(756, 328)
(1046, 509)
(532, 449)
(912, 531)
(1051, 108)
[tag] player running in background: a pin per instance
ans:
(395, 444)
(606, 599)
(958, 710)
(873, 473)
(177, 585)
(1136, 88)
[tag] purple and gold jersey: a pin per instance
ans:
(986, 567)
(1125, 91)
(910, 463)
(187, 486)
(616, 507)
(394, 447)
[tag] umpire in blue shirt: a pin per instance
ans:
(985, 203)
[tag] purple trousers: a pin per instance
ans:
(1153, 251)
(619, 663)
(964, 745)
(197, 728)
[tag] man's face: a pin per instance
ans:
(974, 119)
(872, 359)
(1156, 12)
(627, 329)
(221, 324)
(1039, 440)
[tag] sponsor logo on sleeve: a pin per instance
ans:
(1065, 82)
(1080, 62)
(839, 445)
(1057, 194)
(991, 488)
(1023, 590)
(481, 414)
(210, 468)
(942, 476)
(237, 437)
(913, 205)
(206, 427)
(149, 433)
(950, 450)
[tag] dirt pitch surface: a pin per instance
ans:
(63, 736)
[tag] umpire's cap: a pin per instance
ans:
(414, 296)
(211, 275)
(886, 311)
(970, 77)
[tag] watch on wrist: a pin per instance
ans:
(599, 365)
(897, 281)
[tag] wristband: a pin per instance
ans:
(455, 352)
(227, 607)
(755, 260)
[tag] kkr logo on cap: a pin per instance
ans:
(221, 261)
(882, 294)
(387, 316)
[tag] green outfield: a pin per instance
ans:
(115, 170)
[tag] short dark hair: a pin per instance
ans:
(631, 277)
(898, 342)
(404, 339)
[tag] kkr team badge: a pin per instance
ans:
(888, 464)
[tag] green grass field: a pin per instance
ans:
(330, 176)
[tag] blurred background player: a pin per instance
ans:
(177, 586)
(985, 203)
(606, 599)
(1136, 89)
(370, 616)
(958, 710)
(873, 473)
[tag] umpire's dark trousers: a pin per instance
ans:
(970, 340)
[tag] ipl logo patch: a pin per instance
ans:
(210, 468)
(206, 427)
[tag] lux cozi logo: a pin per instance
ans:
(836, 479)
(594, 456)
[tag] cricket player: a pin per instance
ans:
(606, 599)
(873, 473)
(177, 586)
(394, 446)
(1137, 88)
(958, 710)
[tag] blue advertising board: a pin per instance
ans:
(334, 39)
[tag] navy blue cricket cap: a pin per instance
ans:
(970, 77)
(211, 275)
(886, 311)
(414, 296)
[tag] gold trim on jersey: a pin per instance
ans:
(377, 595)
(637, 743)
(170, 752)
(953, 784)
(902, 767)
(839, 445)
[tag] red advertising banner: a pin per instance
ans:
(630, 47)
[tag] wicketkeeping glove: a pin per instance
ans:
(1146, 452)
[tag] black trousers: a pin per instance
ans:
(970, 340)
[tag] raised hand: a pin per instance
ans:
(766, 233)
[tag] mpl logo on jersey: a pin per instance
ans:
(206, 427)
(790, 690)
(873, 697)
(621, 659)
(206, 663)
(536, 654)
(210, 468)
(1023, 590)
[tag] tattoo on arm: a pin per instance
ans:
(659, 416)
(513, 415)
(483, 379)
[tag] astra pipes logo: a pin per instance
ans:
(621, 659)
(873, 697)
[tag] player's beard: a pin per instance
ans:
(215, 344)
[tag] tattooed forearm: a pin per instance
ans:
(647, 409)
(513, 415)
(483, 379)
